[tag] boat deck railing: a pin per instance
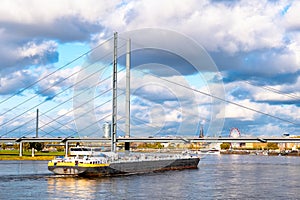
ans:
(147, 157)
(117, 158)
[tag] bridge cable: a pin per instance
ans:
(224, 100)
(65, 65)
(57, 93)
(56, 83)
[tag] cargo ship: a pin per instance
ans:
(86, 162)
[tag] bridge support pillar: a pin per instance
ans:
(66, 148)
(127, 146)
(21, 149)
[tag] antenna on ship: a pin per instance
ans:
(127, 104)
(114, 102)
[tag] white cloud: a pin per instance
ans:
(269, 129)
(233, 111)
(36, 52)
(65, 112)
(257, 30)
(20, 79)
(242, 26)
(261, 99)
(35, 11)
(292, 15)
(273, 94)
(292, 89)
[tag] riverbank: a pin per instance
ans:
(262, 152)
(27, 155)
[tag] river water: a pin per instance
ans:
(218, 177)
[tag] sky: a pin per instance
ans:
(253, 48)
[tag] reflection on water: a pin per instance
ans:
(218, 177)
(82, 188)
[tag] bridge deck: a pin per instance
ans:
(161, 139)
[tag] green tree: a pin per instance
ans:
(225, 145)
(272, 146)
(36, 145)
(26, 146)
(156, 145)
(60, 148)
(4, 146)
(16, 146)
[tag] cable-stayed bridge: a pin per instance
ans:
(75, 101)
(71, 101)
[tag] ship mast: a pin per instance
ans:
(114, 102)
